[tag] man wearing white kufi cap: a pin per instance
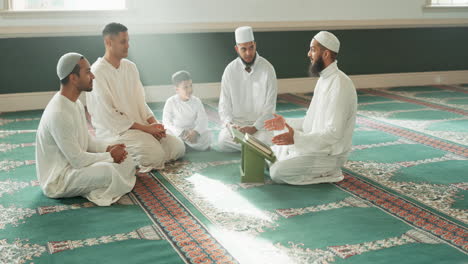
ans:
(69, 161)
(316, 146)
(248, 92)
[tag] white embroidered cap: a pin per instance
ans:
(244, 34)
(328, 40)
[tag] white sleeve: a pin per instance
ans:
(270, 100)
(201, 123)
(63, 132)
(225, 102)
(169, 117)
(143, 107)
(104, 109)
(295, 123)
(96, 146)
(336, 115)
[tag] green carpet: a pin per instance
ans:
(440, 94)
(403, 199)
(454, 125)
(389, 107)
(463, 101)
(425, 115)
(415, 89)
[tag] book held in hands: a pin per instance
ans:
(258, 144)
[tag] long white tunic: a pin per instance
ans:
(247, 98)
(71, 162)
(116, 102)
(323, 138)
(179, 115)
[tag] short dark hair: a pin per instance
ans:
(180, 76)
(113, 29)
(76, 70)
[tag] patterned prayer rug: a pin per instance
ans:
(402, 199)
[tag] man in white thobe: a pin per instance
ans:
(69, 161)
(118, 108)
(316, 147)
(184, 115)
(248, 93)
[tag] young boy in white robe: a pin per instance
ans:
(69, 161)
(184, 115)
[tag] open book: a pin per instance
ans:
(250, 140)
(258, 144)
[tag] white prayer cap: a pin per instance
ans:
(66, 64)
(328, 40)
(244, 34)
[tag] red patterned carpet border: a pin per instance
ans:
(453, 234)
(191, 239)
(425, 140)
(414, 136)
(294, 99)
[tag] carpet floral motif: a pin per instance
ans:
(301, 254)
(184, 176)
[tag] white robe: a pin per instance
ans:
(116, 102)
(179, 115)
(71, 162)
(247, 99)
(323, 139)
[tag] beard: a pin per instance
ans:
(249, 64)
(316, 67)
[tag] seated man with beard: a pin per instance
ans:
(316, 146)
(69, 160)
(248, 93)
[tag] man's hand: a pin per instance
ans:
(248, 129)
(285, 138)
(191, 136)
(118, 152)
(230, 124)
(115, 145)
(276, 123)
(157, 130)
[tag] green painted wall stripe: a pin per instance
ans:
(28, 64)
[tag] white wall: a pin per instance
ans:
(292, 10)
(201, 11)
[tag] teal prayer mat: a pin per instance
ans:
(402, 199)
